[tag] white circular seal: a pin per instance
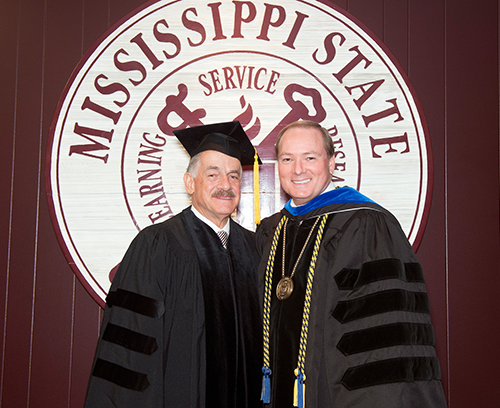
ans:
(115, 167)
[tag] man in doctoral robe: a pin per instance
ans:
(182, 324)
(346, 313)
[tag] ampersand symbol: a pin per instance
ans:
(175, 104)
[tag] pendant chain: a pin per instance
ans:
(301, 252)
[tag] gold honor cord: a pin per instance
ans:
(299, 388)
(266, 370)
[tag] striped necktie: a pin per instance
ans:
(223, 237)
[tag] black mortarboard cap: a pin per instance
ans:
(227, 137)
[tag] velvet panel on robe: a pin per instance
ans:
(233, 319)
(370, 340)
(152, 349)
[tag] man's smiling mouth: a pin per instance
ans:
(301, 181)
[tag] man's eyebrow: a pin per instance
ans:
(300, 154)
(214, 167)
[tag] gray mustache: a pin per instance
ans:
(224, 193)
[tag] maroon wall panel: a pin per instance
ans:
(426, 68)
(53, 302)
(24, 212)
(8, 33)
(395, 30)
(369, 13)
(449, 50)
(472, 202)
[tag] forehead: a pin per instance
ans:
(210, 159)
(300, 139)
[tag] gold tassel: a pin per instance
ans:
(296, 389)
(299, 387)
(256, 196)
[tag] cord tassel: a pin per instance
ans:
(256, 188)
(299, 389)
(266, 385)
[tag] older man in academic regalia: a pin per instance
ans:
(182, 324)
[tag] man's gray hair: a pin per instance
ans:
(194, 165)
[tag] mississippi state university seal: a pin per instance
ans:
(115, 166)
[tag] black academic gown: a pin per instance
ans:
(370, 339)
(182, 323)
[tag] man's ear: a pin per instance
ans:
(189, 183)
(331, 165)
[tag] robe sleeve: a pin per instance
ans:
(128, 369)
(374, 339)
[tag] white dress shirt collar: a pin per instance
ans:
(210, 223)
